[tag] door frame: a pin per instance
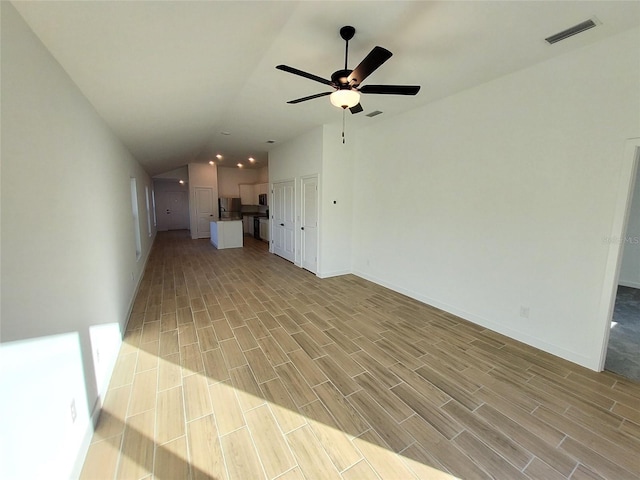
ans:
(630, 163)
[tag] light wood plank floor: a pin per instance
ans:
(238, 365)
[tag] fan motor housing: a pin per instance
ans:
(340, 78)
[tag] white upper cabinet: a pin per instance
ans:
(249, 192)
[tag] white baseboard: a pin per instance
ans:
(138, 283)
(484, 322)
(86, 441)
(335, 273)
(629, 284)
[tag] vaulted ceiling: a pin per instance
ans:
(181, 81)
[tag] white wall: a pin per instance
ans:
(336, 204)
(292, 161)
(181, 173)
(263, 175)
(230, 177)
(69, 268)
(630, 266)
(499, 197)
(201, 175)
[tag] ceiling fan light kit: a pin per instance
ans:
(345, 98)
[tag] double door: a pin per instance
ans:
(283, 237)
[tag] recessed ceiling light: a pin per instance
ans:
(181, 182)
(239, 165)
(225, 133)
(211, 162)
(251, 159)
(219, 157)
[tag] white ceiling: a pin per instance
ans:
(170, 76)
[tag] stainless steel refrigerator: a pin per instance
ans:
(230, 208)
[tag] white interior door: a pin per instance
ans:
(309, 221)
(172, 211)
(284, 220)
(179, 202)
(204, 211)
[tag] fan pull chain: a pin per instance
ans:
(343, 112)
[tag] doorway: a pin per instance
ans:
(309, 221)
(623, 349)
(620, 306)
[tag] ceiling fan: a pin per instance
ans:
(346, 83)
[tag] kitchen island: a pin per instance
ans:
(226, 234)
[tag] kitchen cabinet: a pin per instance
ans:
(264, 229)
(247, 223)
(249, 192)
(226, 234)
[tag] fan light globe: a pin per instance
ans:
(345, 98)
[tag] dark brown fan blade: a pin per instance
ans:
(310, 97)
(391, 89)
(356, 108)
(371, 62)
(311, 76)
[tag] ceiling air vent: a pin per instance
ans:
(579, 28)
(374, 113)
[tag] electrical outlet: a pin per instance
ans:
(74, 413)
(524, 311)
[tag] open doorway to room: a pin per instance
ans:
(623, 350)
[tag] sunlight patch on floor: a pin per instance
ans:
(210, 427)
